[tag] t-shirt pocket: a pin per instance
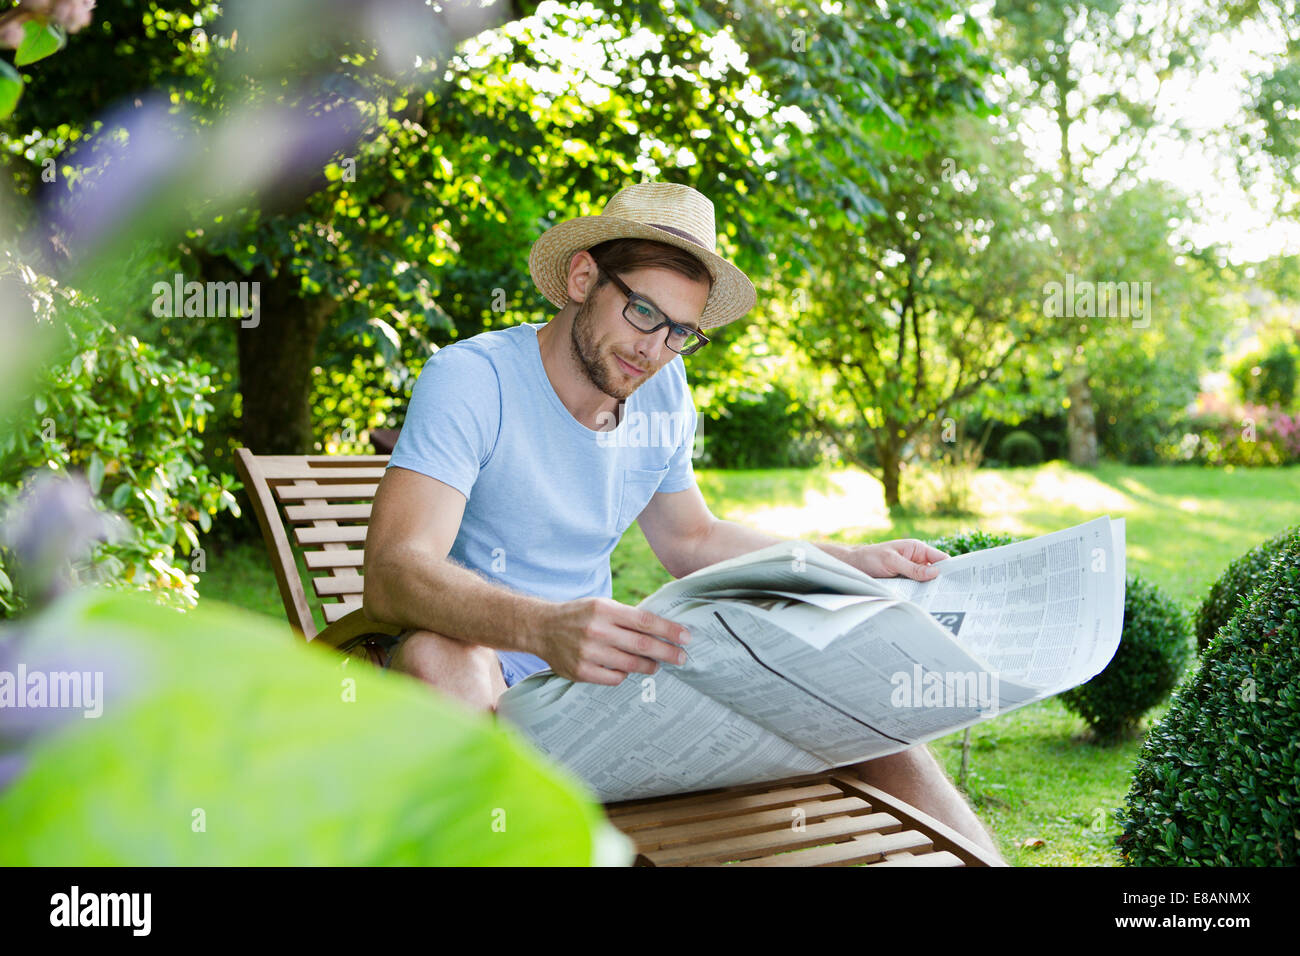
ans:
(639, 486)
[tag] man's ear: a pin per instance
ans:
(583, 276)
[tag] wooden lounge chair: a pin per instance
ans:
(825, 819)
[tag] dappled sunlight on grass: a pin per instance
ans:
(1184, 524)
(850, 498)
(1056, 482)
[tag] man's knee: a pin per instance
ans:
(438, 659)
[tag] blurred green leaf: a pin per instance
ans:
(11, 88)
(39, 41)
(223, 743)
(96, 473)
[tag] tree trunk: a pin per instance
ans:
(1081, 422)
(276, 358)
(890, 469)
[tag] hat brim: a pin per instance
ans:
(731, 297)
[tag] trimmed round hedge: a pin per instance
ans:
(1218, 780)
(1020, 448)
(1242, 576)
(1154, 649)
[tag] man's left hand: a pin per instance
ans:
(904, 558)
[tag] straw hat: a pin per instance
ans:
(670, 213)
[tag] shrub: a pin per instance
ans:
(1242, 577)
(1050, 430)
(772, 432)
(1020, 448)
(1268, 377)
(1222, 433)
(1154, 649)
(964, 542)
(129, 419)
(1216, 782)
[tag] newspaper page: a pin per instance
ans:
(800, 662)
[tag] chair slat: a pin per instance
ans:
(778, 818)
(938, 858)
(720, 793)
(630, 819)
(867, 849)
(333, 467)
(301, 513)
(351, 558)
(756, 844)
(302, 472)
(345, 461)
(301, 491)
(347, 534)
(332, 585)
(336, 610)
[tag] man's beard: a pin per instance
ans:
(588, 355)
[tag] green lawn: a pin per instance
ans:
(1033, 776)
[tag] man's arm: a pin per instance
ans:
(685, 536)
(410, 582)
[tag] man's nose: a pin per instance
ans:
(650, 345)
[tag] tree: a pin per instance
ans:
(362, 227)
(1097, 68)
(917, 310)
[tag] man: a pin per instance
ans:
(525, 456)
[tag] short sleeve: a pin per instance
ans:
(681, 470)
(454, 418)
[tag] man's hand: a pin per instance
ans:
(904, 558)
(601, 641)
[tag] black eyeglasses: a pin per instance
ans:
(644, 316)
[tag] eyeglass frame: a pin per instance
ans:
(704, 339)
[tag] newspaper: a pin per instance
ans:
(799, 663)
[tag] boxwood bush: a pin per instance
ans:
(1153, 651)
(964, 542)
(1154, 648)
(1218, 780)
(1242, 576)
(1020, 448)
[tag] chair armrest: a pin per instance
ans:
(354, 627)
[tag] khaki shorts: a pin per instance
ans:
(515, 666)
(388, 646)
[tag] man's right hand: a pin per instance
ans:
(601, 641)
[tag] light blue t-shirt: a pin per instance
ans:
(547, 498)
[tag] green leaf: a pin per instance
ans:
(222, 744)
(120, 495)
(96, 473)
(39, 41)
(11, 88)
